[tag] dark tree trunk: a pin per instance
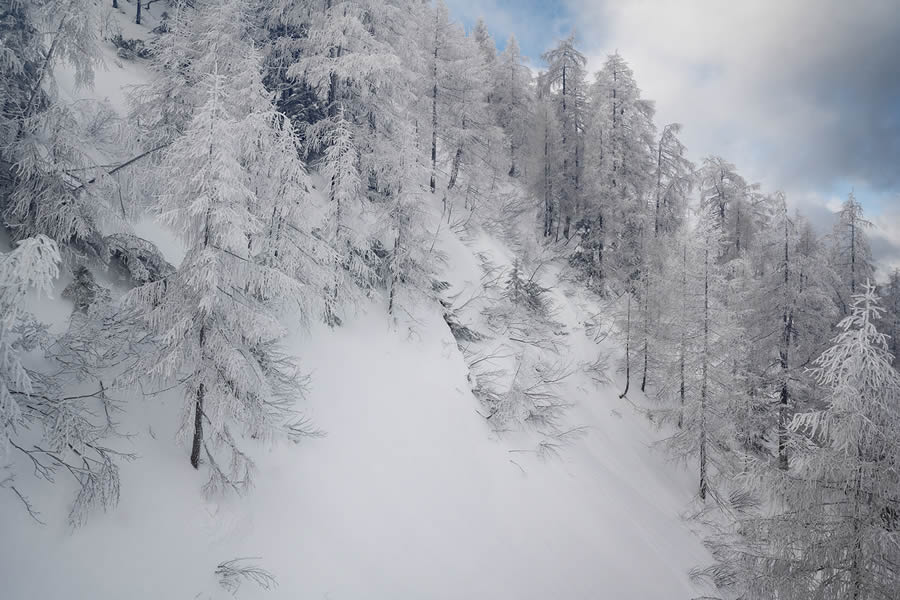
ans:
(681, 348)
(198, 429)
(454, 168)
(137, 17)
(704, 377)
(627, 349)
(434, 119)
(784, 359)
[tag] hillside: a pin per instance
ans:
(344, 300)
(409, 494)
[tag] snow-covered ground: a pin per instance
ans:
(409, 495)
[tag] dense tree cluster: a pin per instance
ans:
(771, 353)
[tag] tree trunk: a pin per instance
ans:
(198, 410)
(627, 349)
(198, 429)
(137, 17)
(784, 358)
(548, 207)
(395, 273)
(853, 253)
(658, 184)
(704, 377)
(645, 311)
(681, 346)
(454, 168)
(434, 119)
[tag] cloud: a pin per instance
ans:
(796, 93)
(885, 241)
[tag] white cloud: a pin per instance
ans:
(759, 82)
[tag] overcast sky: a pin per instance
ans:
(802, 95)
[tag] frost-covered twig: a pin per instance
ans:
(232, 573)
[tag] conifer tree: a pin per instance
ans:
(621, 146)
(513, 99)
(829, 527)
(564, 80)
(851, 255)
(234, 179)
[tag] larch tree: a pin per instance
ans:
(215, 319)
(565, 84)
(851, 254)
(619, 144)
(513, 98)
(890, 292)
(544, 145)
(673, 174)
(46, 171)
(708, 385)
(829, 526)
(788, 316)
(736, 204)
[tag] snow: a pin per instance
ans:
(409, 495)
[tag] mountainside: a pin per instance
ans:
(305, 299)
(409, 493)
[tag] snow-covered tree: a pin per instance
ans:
(345, 220)
(890, 292)
(673, 174)
(45, 425)
(565, 82)
(43, 151)
(462, 137)
(830, 528)
(234, 181)
(513, 102)
(620, 146)
(162, 107)
(702, 337)
(544, 148)
(851, 255)
(736, 203)
(32, 265)
(485, 42)
(787, 288)
(412, 257)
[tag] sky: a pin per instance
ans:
(802, 95)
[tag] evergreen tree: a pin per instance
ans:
(673, 174)
(46, 170)
(513, 99)
(621, 146)
(564, 80)
(851, 255)
(831, 527)
(215, 319)
(544, 145)
(788, 290)
(705, 335)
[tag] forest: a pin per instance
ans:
(310, 160)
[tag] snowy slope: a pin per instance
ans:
(409, 495)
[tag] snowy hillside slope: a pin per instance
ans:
(410, 494)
